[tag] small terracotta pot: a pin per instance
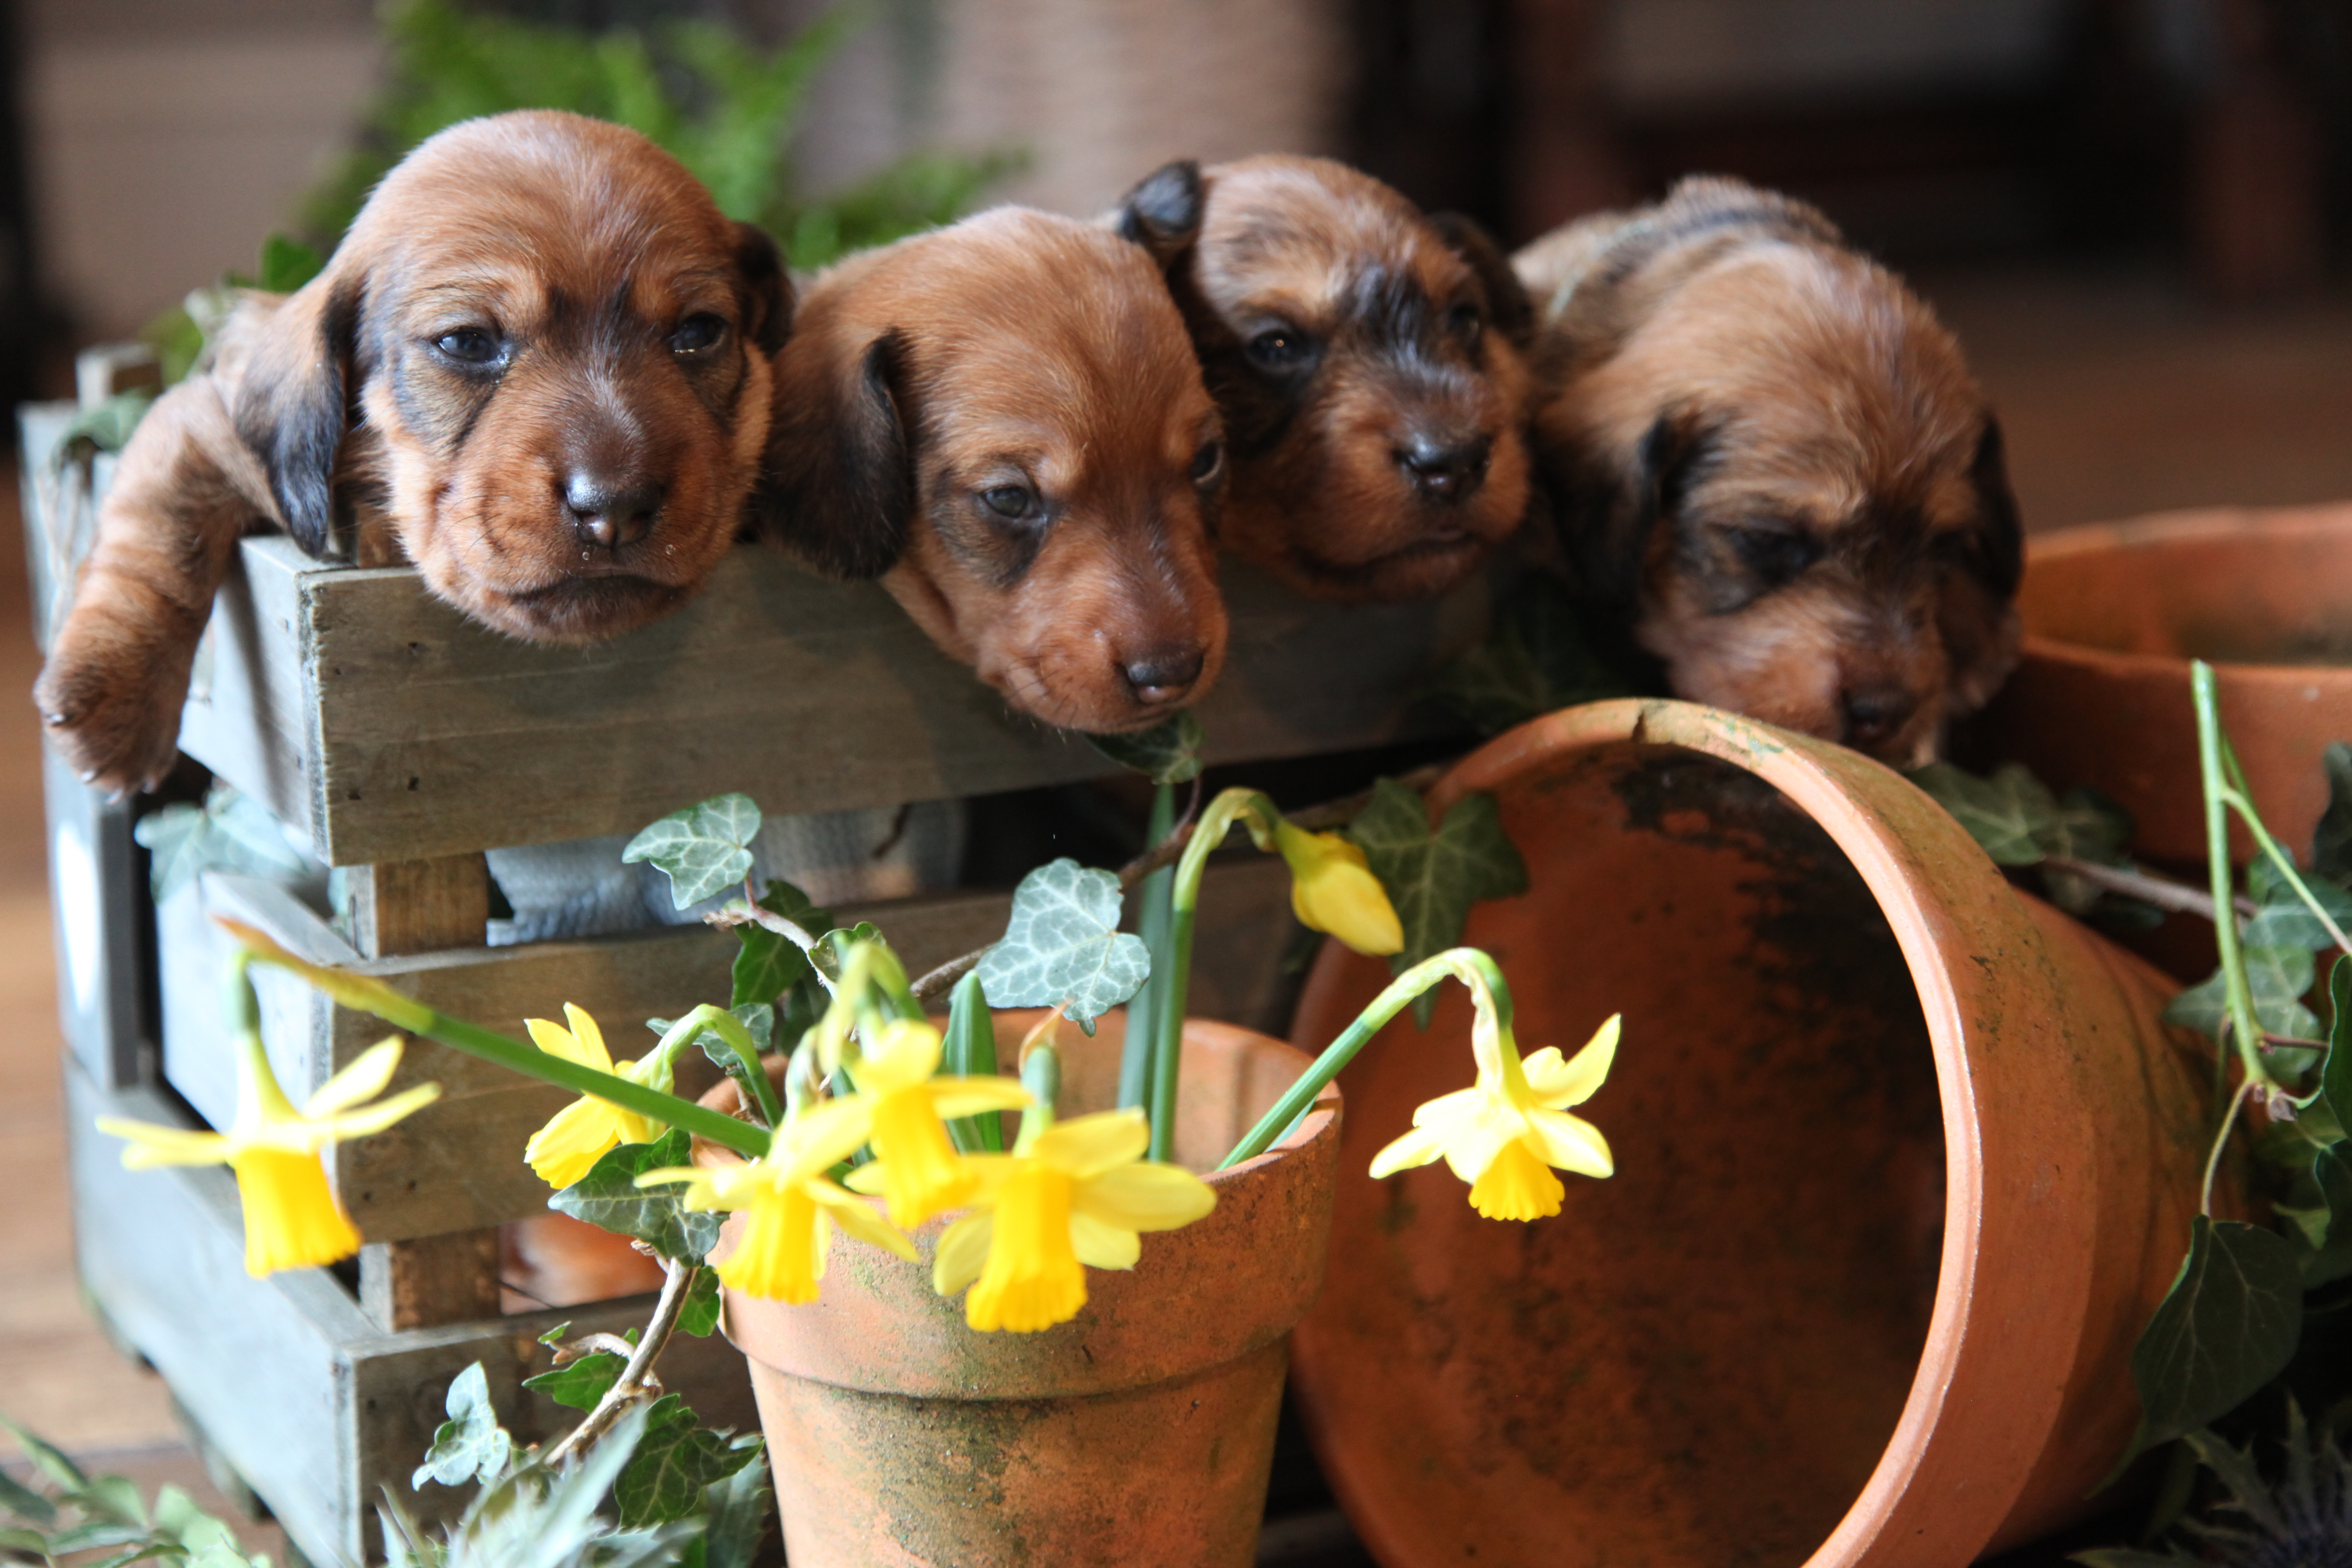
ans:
(1142, 1432)
(2115, 612)
(1905, 1159)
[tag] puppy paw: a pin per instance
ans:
(114, 718)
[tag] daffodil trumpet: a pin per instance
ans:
(411, 1016)
(1331, 890)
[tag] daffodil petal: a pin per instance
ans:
(1461, 1105)
(667, 1176)
(1418, 1147)
(363, 1079)
(822, 1136)
(779, 1250)
(1570, 1142)
(954, 1097)
(908, 1054)
(556, 1041)
(1572, 1082)
(372, 1119)
(1516, 1185)
(149, 1145)
(591, 1037)
(1472, 1143)
(856, 1219)
(1144, 1198)
(292, 1219)
(1101, 1244)
(571, 1143)
(1086, 1145)
(867, 1179)
(962, 1253)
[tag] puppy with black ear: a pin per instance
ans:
(1003, 422)
(1773, 469)
(537, 367)
(1367, 359)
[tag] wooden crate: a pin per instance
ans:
(401, 741)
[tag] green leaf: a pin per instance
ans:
(2331, 842)
(1168, 754)
(287, 263)
(704, 849)
(2336, 1072)
(2229, 1325)
(2008, 814)
(105, 428)
(554, 1336)
(47, 1458)
(471, 1445)
(2127, 1557)
(113, 1498)
(737, 1509)
(2086, 825)
(698, 1313)
(1062, 946)
(30, 1542)
(228, 833)
(676, 1459)
(608, 1197)
(1534, 660)
(968, 1050)
(2330, 1257)
(580, 1384)
(766, 965)
(2279, 977)
(2283, 919)
(25, 1503)
(1433, 878)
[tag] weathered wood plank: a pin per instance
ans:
(434, 736)
(96, 901)
(417, 906)
(452, 1278)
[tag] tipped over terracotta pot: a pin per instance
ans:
(1142, 1432)
(2115, 612)
(1905, 1159)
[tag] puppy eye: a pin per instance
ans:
(1011, 502)
(697, 334)
(1281, 349)
(1207, 461)
(1464, 322)
(469, 345)
(1774, 555)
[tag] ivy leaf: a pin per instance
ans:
(2283, 919)
(2330, 1257)
(229, 832)
(1169, 752)
(471, 1445)
(698, 1313)
(2087, 825)
(1433, 878)
(2007, 813)
(583, 1383)
(287, 263)
(2229, 1325)
(737, 1509)
(49, 1459)
(1062, 946)
(25, 1503)
(2331, 842)
(703, 848)
(1534, 661)
(766, 965)
(676, 1459)
(2336, 1071)
(2279, 978)
(608, 1197)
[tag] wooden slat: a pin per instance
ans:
(448, 1278)
(418, 906)
(434, 736)
(98, 906)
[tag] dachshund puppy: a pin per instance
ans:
(1002, 421)
(1771, 468)
(539, 363)
(1367, 361)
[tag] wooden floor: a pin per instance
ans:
(2117, 394)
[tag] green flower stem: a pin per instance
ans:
(1153, 925)
(413, 1017)
(2239, 994)
(1170, 1003)
(1468, 964)
(731, 1029)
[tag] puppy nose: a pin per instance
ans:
(1445, 472)
(1876, 715)
(609, 514)
(1162, 674)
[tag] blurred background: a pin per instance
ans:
(2136, 213)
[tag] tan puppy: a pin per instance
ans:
(538, 364)
(1367, 361)
(1772, 467)
(1002, 420)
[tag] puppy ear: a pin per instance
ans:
(1606, 520)
(1999, 557)
(840, 486)
(293, 408)
(1162, 213)
(1507, 297)
(767, 288)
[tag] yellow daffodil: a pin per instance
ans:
(1075, 1193)
(292, 1219)
(1333, 890)
(786, 1198)
(1506, 1133)
(577, 1135)
(901, 1110)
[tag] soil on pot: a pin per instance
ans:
(1750, 1295)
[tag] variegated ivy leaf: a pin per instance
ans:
(1433, 876)
(2283, 919)
(2004, 813)
(2331, 842)
(1062, 946)
(705, 848)
(2279, 978)
(1534, 660)
(470, 1445)
(230, 832)
(1169, 752)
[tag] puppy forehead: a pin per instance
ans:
(1309, 233)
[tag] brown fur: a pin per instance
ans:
(1367, 361)
(1769, 461)
(1014, 354)
(583, 479)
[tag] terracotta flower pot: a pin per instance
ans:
(1905, 1159)
(2114, 613)
(1139, 1433)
